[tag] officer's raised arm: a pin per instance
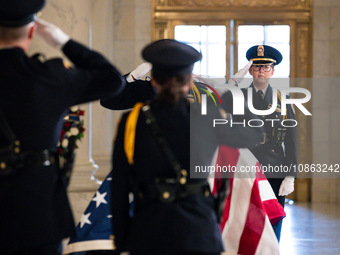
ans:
(92, 73)
(52, 34)
(136, 90)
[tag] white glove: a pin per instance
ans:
(52, 34)
(139, 72)
(287, 186)
(238, 77)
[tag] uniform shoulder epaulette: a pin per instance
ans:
(40, 57)
(57, 63)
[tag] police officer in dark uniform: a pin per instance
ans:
(34, 96)
(279, 145)
(173, 213)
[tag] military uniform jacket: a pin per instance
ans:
(267, 154)
(184, 225)
(34, 96)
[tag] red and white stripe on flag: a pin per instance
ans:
(250, 207)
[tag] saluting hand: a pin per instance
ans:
(139, 72)
(238, 77)
(52, 34)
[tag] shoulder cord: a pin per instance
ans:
(279, 96)
(130, 132)
(129, 139)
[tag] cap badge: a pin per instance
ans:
(260, 51)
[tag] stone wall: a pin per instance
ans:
(326, 96)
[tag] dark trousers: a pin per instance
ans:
(277, 229)
(275, 184)
(50, 249)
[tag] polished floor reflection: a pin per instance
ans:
(311, 229)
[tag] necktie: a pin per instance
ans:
(260, 94)
(261, 97)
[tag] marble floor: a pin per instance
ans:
(311, 229)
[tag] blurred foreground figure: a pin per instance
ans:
(34, 97)
(173, 213)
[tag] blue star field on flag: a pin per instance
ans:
(94, 231)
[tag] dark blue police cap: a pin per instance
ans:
(16, 13)
(171, 57)
(263, 54)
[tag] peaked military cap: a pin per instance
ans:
(16, 13)
(171, 57)
(263, 54)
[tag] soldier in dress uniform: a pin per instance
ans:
(34, 97)
(174, 214)
(279, 145)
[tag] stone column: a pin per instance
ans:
(75, 18)
(103, 120)
(326, 103)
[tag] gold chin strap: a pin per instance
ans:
(262, 59)
(130, 132)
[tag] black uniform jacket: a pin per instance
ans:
(187, 224)
(34, 96)
(137, 91)
(267, 154)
